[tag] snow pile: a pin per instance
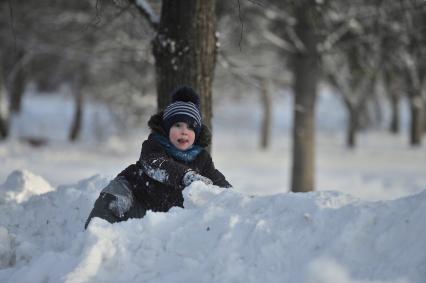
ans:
(21, 185)
(221, 236)
(45, 222)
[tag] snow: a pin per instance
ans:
(21, 185)
(363, 224)
(221, 236)
(155, 173)
(143, 4)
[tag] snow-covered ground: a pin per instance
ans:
(365, 223)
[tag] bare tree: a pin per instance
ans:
(16, 81)
(404, 67)
(266, 124)
(353, 72)
(306, 74)
(415, 67)
(113, 60)
(77, 122)
(247, 61)
(184, 48)
(4, 113)
(393, 87)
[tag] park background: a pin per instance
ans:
(84, 74)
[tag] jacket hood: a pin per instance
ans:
(156, 121)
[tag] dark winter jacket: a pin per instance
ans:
(156, 178)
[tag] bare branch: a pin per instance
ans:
(258, 3)
(12, 24)
(146, 10)
(242, 24)
(278, 41)
(300, 46)
(231, 67)
(98, 16)
(334, 37)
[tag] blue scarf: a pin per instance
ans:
(183, 155)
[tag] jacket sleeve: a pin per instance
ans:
(213, 174)
(158, 165)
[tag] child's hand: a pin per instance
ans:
(120, 205)
(121, 196)
(192, 176)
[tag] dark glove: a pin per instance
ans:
(121, 196)
(192, 176)
(120, 205)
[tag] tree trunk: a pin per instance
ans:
(17, 84)
(377, 115)
(4, 119)
(424, 115)
(76, 125)
(267, 114)
(352, 126)
(392, 90)
(305, 89)
(414, 83)
(416, 129)
(185, 50)
(395, 118)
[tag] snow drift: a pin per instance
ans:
(220, 236)
(21, 185)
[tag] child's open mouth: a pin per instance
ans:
(182, 141)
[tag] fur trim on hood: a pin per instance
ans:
(156, 121)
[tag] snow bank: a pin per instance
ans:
(21, 185)
(221, 236)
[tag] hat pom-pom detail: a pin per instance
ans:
(186, 94)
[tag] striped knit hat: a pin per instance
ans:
(185, 107)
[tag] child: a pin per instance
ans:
(172, 157)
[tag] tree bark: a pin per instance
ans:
(17, 84)
(75, 130)
(414, 82)
(267, 114)
(305, 89)
(394, 97)
(424, 115)
(4, 119)
(416, 129)
(395, 125)
(185, 51)
(352, 126)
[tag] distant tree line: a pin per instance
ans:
(363, 49)
(98, 48)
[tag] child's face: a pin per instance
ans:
(181, 135)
